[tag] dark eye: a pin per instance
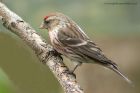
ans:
(47, 22)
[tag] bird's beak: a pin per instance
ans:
(42, 26)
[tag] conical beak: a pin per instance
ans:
(42, 26)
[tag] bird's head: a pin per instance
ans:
(54, 20)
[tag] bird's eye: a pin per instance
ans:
(47, 22)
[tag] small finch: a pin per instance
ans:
(70, 40)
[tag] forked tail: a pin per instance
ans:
(115, 69)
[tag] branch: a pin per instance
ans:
(46, 54)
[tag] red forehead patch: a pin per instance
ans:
(46, 17)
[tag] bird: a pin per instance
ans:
(68, 39)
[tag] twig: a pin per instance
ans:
(46, 54)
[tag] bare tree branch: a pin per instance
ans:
(46, 54)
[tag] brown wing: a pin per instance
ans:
(80, 45)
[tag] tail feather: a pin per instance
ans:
(115, 69)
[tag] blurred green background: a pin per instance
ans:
(115, 28)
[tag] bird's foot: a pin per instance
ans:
(71, 72)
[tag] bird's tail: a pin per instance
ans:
(115, 69)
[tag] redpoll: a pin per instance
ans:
(71, 41)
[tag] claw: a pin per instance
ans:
(70, 72)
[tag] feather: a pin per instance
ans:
(119, 73)
(71, 41)
(80, 44)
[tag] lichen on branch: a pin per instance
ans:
(45, 53)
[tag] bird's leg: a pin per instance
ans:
(77, 64)
(72, 71)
